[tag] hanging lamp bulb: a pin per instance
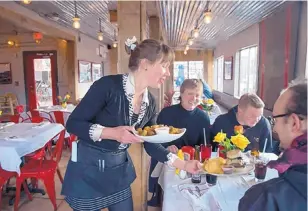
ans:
(190, 41)
(76, 23)
(208, 17)
(26, 1)
(195, 33)
(100, 36)
(115, 44)
(10, 42)
(185, 52)
(76, 19)
(187, 48)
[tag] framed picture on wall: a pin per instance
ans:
(84, 71)
(5, 73)
(97, 71)
(228, 68)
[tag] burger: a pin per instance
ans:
(235, 160)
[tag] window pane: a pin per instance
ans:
(236, 74)
(195, 69)
(180, 71)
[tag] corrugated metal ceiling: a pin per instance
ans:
(178, 18)
(229, 17)
(88, 11)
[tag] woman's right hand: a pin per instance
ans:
(124, 134)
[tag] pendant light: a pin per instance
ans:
(76, 19)
(100, 36)
(208, 16)
(115, 42)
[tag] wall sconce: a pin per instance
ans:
(115, 44)
(10, 43)
(26, 1)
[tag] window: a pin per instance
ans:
(219, 74)
(246, 71)
(185, 70)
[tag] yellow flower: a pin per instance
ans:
(220, 137)
(210, 101)
(67, 96)
(238, 129)
(240, 141)
(0, 113)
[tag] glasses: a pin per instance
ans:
(272, 119)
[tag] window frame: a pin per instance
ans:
(237, 70)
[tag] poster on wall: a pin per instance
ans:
(84, 71)
(228, 68)
(97, 71)
(5, 73)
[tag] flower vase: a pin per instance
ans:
(220, 153)
(64, 105)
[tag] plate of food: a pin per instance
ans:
(159, 133)
(235, 164)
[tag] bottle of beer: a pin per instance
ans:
(196, 178)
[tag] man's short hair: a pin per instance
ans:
(190, 84)
(298, 99)
(250, 99)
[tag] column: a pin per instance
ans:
(155, 32)
(132, 22)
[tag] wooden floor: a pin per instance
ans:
(41, 202)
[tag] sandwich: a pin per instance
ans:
(235, 159)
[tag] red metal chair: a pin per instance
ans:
(44, 170)
(16, 118)
(5, 176)
(59, 118)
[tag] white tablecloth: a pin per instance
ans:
(227, 192)
(21, 139)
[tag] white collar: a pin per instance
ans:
(129, 87)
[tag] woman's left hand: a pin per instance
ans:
(192, 166)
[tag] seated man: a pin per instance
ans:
(249, 114)
(183, 115)
(289, 191)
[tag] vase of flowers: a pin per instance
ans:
(238, 141)
(63, 101)
(207, 105)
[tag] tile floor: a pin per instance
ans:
(41, 202)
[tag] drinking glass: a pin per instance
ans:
(260, 169)
(206, 152)
(211, 179)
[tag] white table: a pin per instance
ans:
(227, 192)
(21, 139)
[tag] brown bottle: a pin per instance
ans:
(196, 178)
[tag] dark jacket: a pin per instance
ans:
(261, 130)
(106, 104)
(286, 193)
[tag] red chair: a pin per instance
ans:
(59, 118)
(42, 170)
(5, 176)
(16, 118)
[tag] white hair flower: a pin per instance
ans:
(131, 43)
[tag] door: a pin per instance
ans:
(40, 70)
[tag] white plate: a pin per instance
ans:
(248, 168)
(162, 138)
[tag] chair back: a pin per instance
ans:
(56, 156)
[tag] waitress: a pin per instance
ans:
(102, 175)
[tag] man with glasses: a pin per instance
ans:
(289, 191)
(249, 114)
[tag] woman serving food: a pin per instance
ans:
(103, 120)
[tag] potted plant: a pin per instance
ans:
(238, 141)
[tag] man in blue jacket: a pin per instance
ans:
(288, 192)
(249, 114)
